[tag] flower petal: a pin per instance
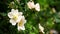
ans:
(30, 4)
(21, 28)
(41, 28)
(23, 19)
(14, 12)
(10, 15)
(20, 13)
(19, 18)
(13, 22)
(37, 7)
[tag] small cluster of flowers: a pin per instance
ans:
(17, 18)
(36, 6)
(31, 5)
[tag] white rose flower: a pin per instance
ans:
(37, 7)
(30, 4)
(14, 16)
(41, 28)
(21, 24)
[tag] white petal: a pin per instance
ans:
(41, 28)
(19, 18)
(13, 22)
(10, 15)
(20, 13)
(14, 12)
(37, 7)
(30, 4)
(21, 28)
(23, 19)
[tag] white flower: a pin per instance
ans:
(37, 7)
(14, 16)
(30, 4)
(41, 28)
(21, 24)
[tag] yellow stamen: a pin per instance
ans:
(20, 23)
(15, 17)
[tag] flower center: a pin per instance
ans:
(20, 23)
(15, 17)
